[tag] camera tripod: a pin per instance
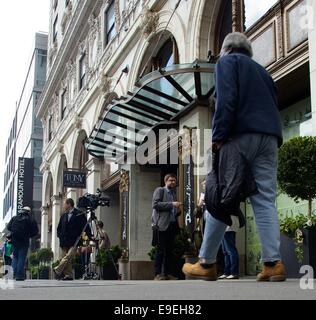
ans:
(88, 275)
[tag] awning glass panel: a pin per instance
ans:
(158, 98)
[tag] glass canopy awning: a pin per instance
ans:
(158, 98)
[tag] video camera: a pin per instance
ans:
(91, 202)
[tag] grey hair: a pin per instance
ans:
(236, 41)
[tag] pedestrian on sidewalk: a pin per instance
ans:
(165, 226)
(231, 256)
(246, 117)
(7, 252)
(102, 237)
(70, 228)
(22, 227)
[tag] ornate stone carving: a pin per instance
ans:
(188, 142)
(45, 166)
(77, 122)
(60, 147)
(66, 17)
(150, 20)
(124, 182)
(105, 84)
(82, 47)
(107, 56)
(52, 52)
(238, 16)
(70, 67)
(117, 15)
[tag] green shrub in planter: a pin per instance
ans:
(45, 255)
(297, 169)
(33, 259)
(297, 178)
(152, 253)
(104, 257)
(34, 272)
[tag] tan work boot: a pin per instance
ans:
(273, 274)
(196, 271)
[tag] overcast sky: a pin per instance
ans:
(19, 21)
(255, 9)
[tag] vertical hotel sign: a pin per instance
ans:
(124, 207)
(25, 183)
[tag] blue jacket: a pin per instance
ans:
(246, 99)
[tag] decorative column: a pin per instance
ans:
(124, 207)
(124, 210)
(238, 16)
(56, 212)
(44, 227)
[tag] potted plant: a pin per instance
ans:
(78, 267)
(45, 257)
(297, 178)
(182, 250)
(39, 263)
(107, 259)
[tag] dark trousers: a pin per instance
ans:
(165, 246)
(19, 259)
(7, 261)
(231, 254)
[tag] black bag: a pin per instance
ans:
(20, 228)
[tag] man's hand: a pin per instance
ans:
(177, 204)
(216, 146)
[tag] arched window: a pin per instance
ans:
(166, 55)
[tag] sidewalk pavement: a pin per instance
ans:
(247, 289)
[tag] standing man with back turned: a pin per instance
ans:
(247, 115)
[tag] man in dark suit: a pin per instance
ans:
(71, 226)
(246, 115)
(164, 219)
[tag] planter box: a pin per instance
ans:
(44, 274)
(289, 259)
(109, 272)
(123, 270)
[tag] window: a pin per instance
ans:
(82, 71)
(165, 57)
(50, 128)
(109, 23)
(55, 32)
(63, 104)
(254, 10)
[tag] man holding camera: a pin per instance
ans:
(70, 228)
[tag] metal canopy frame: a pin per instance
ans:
(157, 98)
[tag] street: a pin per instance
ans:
(149, 290)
